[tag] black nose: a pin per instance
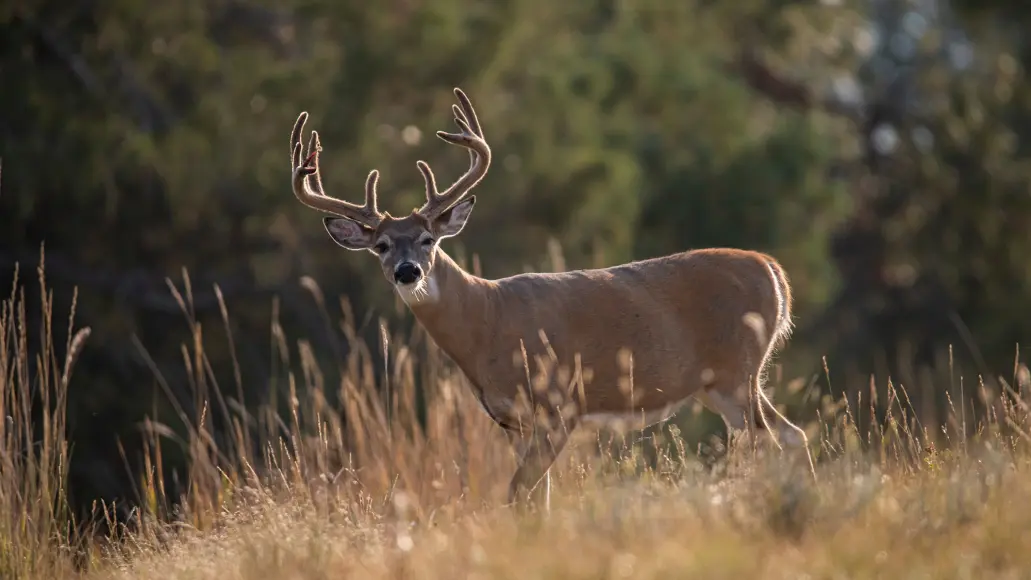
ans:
(406, 273)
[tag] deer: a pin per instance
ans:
(642, 338)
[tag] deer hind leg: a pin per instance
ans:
(767, 418)
(744, 413)
(728, 404)
(766, 415)
(787, 433)
(745, 408)
(751, 409)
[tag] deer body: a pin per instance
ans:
(634, 341)
(679, 316)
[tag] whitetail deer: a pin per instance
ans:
(636, 340)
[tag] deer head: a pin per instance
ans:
(407, 246)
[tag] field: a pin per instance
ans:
(303, 495)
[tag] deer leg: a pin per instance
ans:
(738, 415)
(734, 413)
(754, 412)
(788, 434)
(537, 454)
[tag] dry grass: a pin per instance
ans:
(36, 538)
(411, 484)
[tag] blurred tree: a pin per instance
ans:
(930, 255)
(138, 140)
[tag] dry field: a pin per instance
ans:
(304, 495)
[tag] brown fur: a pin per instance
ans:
(698, 324)
(678, 315)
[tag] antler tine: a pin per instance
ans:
(307, 182)
(468, 112)
(470, 138)
(371, 195)
(469, 116)
(315, 179)
(460, 115)
(429, 178)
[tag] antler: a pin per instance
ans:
(472, 139)
(307, 183)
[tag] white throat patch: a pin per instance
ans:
(425, 291)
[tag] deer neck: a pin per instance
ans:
(456, 309)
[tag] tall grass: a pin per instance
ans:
(36, 531)
(420, 431)
(398, 473)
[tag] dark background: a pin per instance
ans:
(879, 149)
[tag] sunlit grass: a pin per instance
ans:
(406, 477)
(36, 528)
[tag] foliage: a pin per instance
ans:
(140, 142)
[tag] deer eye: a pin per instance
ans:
(427, 241)
(381, 247)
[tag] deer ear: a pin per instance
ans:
(451, 222)
(349, 234)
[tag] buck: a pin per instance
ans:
(641, 338)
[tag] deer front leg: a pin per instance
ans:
(537, 452)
